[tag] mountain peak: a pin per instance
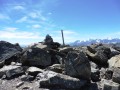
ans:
(93, 41)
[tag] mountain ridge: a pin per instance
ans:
(93, 41)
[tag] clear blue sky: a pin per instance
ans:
(28, 21)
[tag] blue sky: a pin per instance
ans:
(28, 21)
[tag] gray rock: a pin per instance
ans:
(60, 59)
(99, 54)
(114, 61)
(34, 71)
(95, 75)
(36, 57)
(14, 72)
(77, 65)
(41, 46)
(102, 73)
(116, 46)
(48, 39)
(109, 85)
(116, 75)
(65, 49)
(8, 52)
(100, 58)
(93, 65)
(10, 71)
(114, 52)
(54, 80)
(106, 73)
(91, 86)
(27, 78)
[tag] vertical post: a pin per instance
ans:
(62, 37)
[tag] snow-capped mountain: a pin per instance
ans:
(93, 41)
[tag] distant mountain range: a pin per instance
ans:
(93, 41)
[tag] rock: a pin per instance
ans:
(10, 71)
(106, 50)
(116, 46)
(91, 49)
(91, 86)
(93, 65)
(41, 46)
(100, 58)
(114, 61)
(8, 52)
(77, 65)
(116, 75)
(109, 85)
(102, 73)
(113, 52)
(34, 71)
(95, 75)
(48, 40)
(27, 78)
(14, 72)
(36, 57)
(99, 54)
(19, 84)
(54, 80)
(60, 59)
(65, 49)
(56, 68)
(108, 74)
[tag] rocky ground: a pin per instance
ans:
(48, 65)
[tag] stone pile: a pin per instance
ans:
(48, 65)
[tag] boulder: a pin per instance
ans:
(95, 75)
(114, 61)
(36, 57)
(9, 52)
(106, 73)
(11, 71)
(55, 81)
(77, 65)
(99, 54)
(106, 50)
(116, 75)
(100, 58)
(109, 85)
(113, 52)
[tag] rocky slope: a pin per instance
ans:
(50, 66)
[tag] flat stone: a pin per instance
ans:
(7, 69)
(54, 80)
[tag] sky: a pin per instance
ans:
(29, 21)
